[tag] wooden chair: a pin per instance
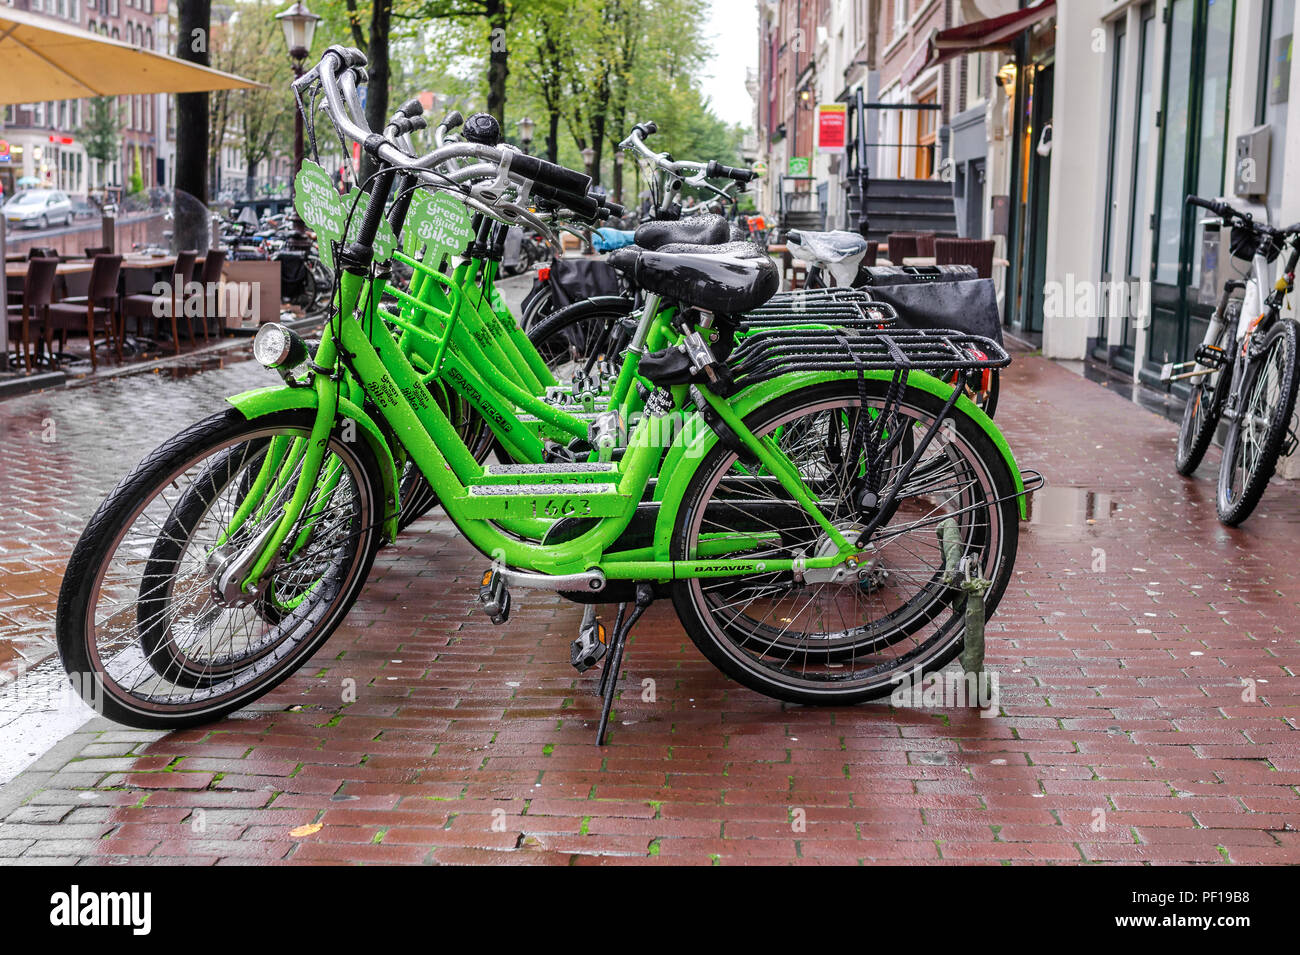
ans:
(97, 307)
(902, 245)
(94, 250)
(976, 252)
(210, 278)
(169, 305)
(38, 293)
(925, 245)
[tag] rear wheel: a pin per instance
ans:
(842, 642)
(582, 336)
(1256, 435)
(149, 625)
(1203, 409)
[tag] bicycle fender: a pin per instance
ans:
(695, 439)
(264, 401)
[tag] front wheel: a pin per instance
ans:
(805, 640)
(149, 627)
(1257, 432)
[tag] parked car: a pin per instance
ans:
(39, 208)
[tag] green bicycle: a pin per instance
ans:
(811, 503)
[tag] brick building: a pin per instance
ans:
(43, 137)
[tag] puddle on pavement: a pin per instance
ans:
(36, 711)
(1081, 507)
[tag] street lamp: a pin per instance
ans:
(299, 25)
(526, 127)
(588, 157)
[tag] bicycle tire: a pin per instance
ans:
(731, 646)
(1202, 412)
(1281, 341)
(79, 618)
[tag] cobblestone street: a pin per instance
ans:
(1146, 657)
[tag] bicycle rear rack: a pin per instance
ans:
(766, 354)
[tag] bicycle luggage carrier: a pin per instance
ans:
(850, 308)
(764, 355)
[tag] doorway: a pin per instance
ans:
(1193, 148)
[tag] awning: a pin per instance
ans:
(995, 33)
(45, 59)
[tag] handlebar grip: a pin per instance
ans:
(648, 128)
(419, 122)
(615, 209)
(412, 108)
(584, 206)
(716, 170)
(1220, 209)
(549, 174)
(452, 119)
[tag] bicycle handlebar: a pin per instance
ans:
(716, 170)
(1242, 219)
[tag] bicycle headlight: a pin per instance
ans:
(278, 347)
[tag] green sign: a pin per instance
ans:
(326, 213)
(799, 166)
(438, 223)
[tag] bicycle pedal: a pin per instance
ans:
(588, 648)
(494, 597)
(1211, 356)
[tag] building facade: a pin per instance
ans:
(1071, 132)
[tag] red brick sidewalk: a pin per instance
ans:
(1149, 713)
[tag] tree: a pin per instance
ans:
(136, 183)
(100, 134)
(193, 25)
(250, 44)
(496, 15)
(378, 67)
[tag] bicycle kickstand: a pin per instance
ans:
(618, 642)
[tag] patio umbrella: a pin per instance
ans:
(28, 181)
(48, 60)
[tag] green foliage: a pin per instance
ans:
(136, 183)
(102, 128)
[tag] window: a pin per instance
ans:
(900, 17)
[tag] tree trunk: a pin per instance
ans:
(498, 17)
(193, 26)
(377, 68)
(553, 135)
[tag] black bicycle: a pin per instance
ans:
(1244, 370)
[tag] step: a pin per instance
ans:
(580, 472)
(909, 205)
(909, 187)
(546, 501)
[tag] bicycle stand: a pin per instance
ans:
(623, 624)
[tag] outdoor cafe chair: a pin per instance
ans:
(141, 306)
(38, 293)
(95, 309)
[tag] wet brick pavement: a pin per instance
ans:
(1146, 657)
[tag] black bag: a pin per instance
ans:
(574, 280)
(969, 306)
(874, 275)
